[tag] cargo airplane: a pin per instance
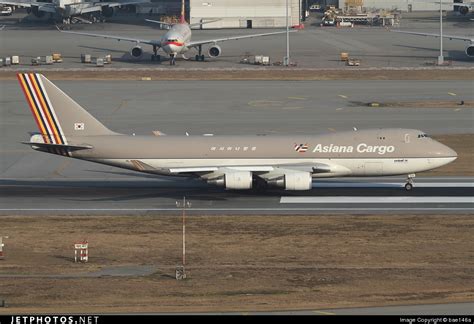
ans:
(233, 162)
(176, 41)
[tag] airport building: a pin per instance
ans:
(231, 13)
(245, 13)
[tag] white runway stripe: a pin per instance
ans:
(376, 200)
(392, 185)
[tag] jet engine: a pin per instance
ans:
(234, 180)
(463, 10)
(38, 13)
(470, 50)
(293, 181)
(215, 51)
(107, 11)
(136, 51)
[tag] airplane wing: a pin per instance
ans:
(118, 38)
(21, 3)
(217, 40)
(117, 3)
(159, 22)
(203, 23)
(464, 38)
(97, 6)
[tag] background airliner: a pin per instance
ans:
(176, 41)
(233, 162)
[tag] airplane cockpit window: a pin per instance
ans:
(172, 40)
(423, 135)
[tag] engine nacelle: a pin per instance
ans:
(107, 11)
(294, 181)
(234, 180)
(464, 10)
(136, 51)
(470, 50)
(215, 51)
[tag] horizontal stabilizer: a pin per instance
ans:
(59, 146)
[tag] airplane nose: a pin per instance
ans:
(445, 151)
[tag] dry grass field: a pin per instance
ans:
(243, 263)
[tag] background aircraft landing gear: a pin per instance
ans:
(409, 183)
(200, 56)
(155, 56)
(172, 59)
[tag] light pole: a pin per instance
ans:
(181, 271)
(440, 57)
(286, 61)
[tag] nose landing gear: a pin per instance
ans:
(409, 183)
(172, 59)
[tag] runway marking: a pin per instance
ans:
(457, 109)
(298, 98)
(342, 96)
(452, 94)
(292, 108)
(339, 108)
(392, 185)
(323, 313)
(331, 129)
(376, 200)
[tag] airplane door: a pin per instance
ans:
(373, 168)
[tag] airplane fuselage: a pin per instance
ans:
(358, 153)
(175, 40)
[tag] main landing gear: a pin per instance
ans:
(155, 56)
(200, 56)
(172, 59)
(409, 183)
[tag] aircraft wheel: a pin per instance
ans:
(408, 186)
(197, 58)
(202, 58)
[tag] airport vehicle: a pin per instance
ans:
(176, 41)
(469, 50)
(65, 9)
(234, 162)
(6, 11)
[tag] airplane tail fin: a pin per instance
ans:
(55, 113)
(182, 18)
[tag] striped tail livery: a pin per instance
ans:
(59, 118)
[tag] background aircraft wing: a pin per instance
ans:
(118, 38)
(116, 3)
(20, 3)
(464, 38)
(217, 40)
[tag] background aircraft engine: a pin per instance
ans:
(463, 10)
(215, 51)
(470, 50)
(294, 181)
(234, 180)
(136, 51)
(107, 11)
